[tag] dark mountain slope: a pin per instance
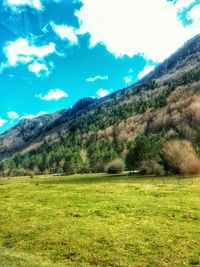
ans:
(159, 103)
(186, 56)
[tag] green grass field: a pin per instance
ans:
(99, 220)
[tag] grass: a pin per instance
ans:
(99, 220)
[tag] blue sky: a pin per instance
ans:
(54, 52)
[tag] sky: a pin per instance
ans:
(55, 52)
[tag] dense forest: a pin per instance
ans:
(152, 127)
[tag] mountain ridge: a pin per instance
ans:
(150, 94)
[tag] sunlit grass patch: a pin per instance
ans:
(99, 220)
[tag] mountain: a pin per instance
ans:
(17, 138)
(31, 132)
(96, 131)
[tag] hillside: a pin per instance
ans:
(165, 104)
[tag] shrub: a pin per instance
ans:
(194, 110)
(151, 167)
(186, 131)
(20, 172)
(181, 157)
(144, 148)
(115, 166)
(31, 174)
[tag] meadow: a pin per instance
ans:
(100, 220)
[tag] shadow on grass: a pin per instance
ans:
(91, 179)
(94, 179)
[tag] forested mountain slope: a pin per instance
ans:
(162, 112)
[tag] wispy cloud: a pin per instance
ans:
(53, 94)
(65, 32)
(98, 77)
(32, 116)
(36, 4)
(3, 66)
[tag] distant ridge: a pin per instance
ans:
(119, 117)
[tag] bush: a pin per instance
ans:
(193, 110)
(31, 174)
(116, 166)
(144, 148)
(20, 172)
(181, 157)
(151, 167)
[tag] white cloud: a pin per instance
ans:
(18, 3)
(98, 77)
(102, 92)
(147, 69)
(127, 79)
(65, 32)
(2, 122)
(41, 113)
(53, 94)
(12, 115)
(129, 27)
(21, 51)
(38, 69)
(181, 4)
(194, 15)
(31, 116)
(28, 117)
